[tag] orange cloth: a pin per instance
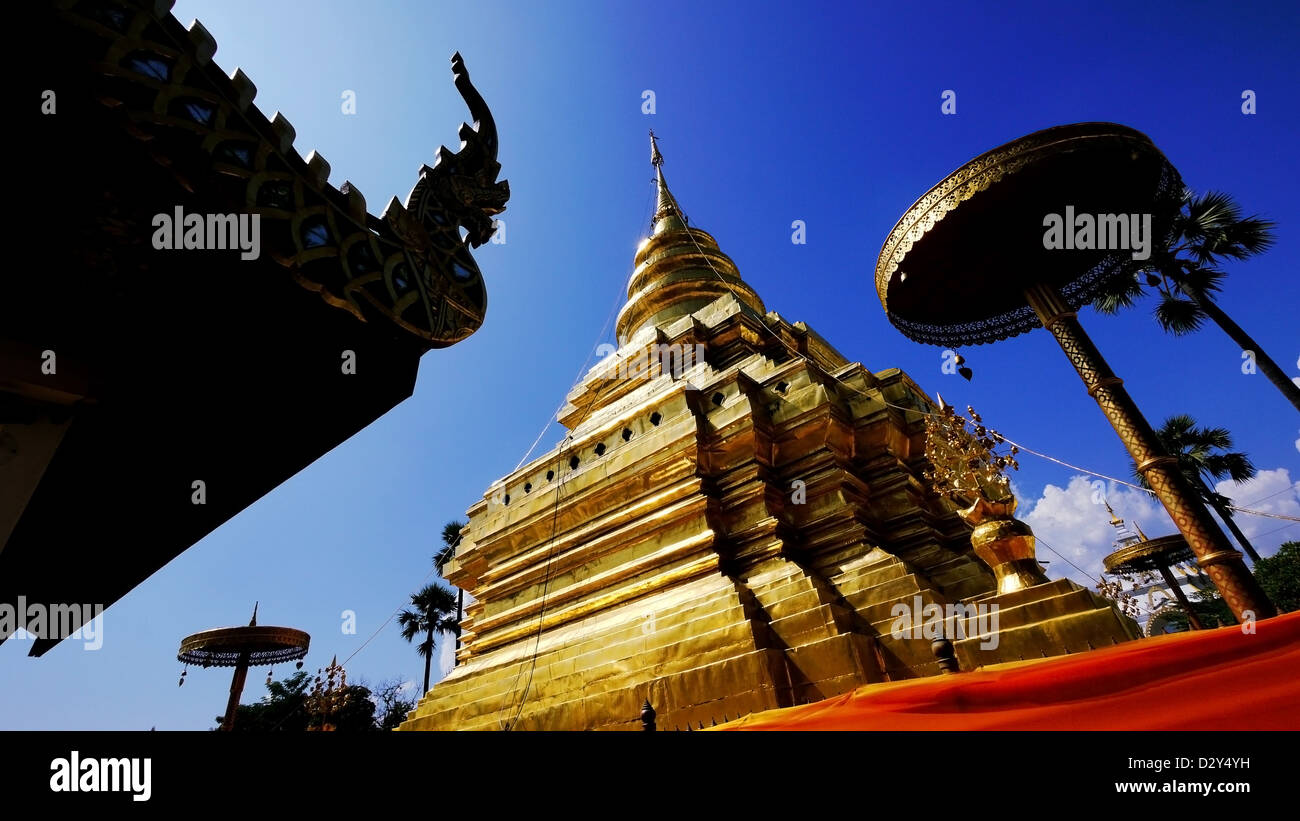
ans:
(1220, 679)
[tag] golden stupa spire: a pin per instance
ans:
(679, 269)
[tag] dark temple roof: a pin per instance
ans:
(128, 372)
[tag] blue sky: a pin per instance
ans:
(768, 113)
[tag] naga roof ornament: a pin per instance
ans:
(411, 267)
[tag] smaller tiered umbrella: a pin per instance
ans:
(1157, 555)
(241, 648)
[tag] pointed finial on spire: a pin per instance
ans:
(1123, 536)
(253, 622)
(667, 204)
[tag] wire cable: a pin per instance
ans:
(559, 488)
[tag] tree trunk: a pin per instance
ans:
(460, 614)
(1226, 515)
(428, 659)
(1265, 363)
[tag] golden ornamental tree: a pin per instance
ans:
(964, 458)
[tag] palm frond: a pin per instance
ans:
(1141, 480)
(443, 557)
(1214, 227)
(1248, 237)
(451, 532)
(450, 541)
(412, 624)
(1235, 466)
(1212, 210)
(1122, 292)
(425, 648)
(1209, 438)
(1202, 453)
(449, 624)
(1199, 279)
(1217, 499)
(1179, 315)
(1180, 424)
(432, 604)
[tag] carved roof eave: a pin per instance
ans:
(404, 266)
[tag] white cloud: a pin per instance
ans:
(1271, 491)
(1073, 520)
(446, 656)
(447, 649)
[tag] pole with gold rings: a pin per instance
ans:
(1214, 553)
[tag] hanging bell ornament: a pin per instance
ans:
(181, 683)
(298, 666)
(966, 372)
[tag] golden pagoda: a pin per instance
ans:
(729, 526)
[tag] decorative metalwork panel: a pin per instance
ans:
(226, 646)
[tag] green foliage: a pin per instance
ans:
(1210, 609)
(433, 611)
(1178, 316)
(1207, 230)
(450, 541)
(1279, 575)
(284, 708)
(1203, 456)
(357, 715)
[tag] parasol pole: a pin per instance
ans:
(1214, 553)
(1177, 590)
(236, 690)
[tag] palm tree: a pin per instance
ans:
(433, 611)
(1206, 230)
(450, 541)
(1195, 448)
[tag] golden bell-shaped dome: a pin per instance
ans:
(679, 269)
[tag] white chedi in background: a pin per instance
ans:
(1146, 597)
